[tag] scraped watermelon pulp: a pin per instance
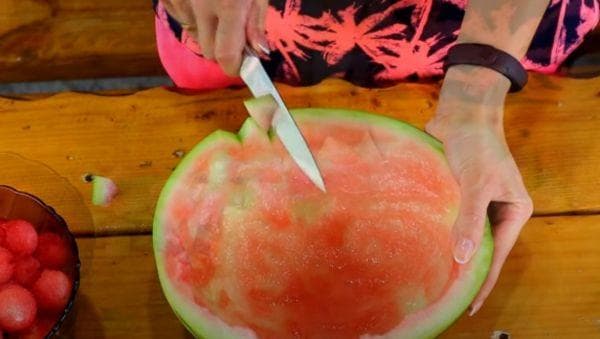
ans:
(246, 246)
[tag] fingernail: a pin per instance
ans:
(262, 46)
(463, 250)
(474, 308)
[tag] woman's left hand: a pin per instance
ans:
(468, 121)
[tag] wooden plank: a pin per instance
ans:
(550, 287)
(47, 145)
(120, 293)
(65, 39)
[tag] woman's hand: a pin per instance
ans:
(468, 121)
(223, 27)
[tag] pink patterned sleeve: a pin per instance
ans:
(371, 43)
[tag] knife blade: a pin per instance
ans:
(257, 79)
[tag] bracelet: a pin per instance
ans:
(489, 57)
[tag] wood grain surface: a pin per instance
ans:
(550, 287)
(67, 39)
(48, 145)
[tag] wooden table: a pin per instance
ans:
(550, 286)
(71, 39)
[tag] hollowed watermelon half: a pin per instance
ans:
(247, 247)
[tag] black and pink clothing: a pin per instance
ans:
(367, 42)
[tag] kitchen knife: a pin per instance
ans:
(257, 79)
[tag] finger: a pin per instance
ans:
(513, 216)
(469, 225)
(229, 41)
(255, 29)
(181, 11)
(206, 30)
(206, 27)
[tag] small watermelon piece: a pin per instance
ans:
(262, 109)
(247, 247)
(52, 290)
(27, 270)
(104, 190)
(6, 265)
(53, 251)
(253, 135)
(21, 237)
(41, 327)
(17, 308)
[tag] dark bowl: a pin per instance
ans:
(15, 204)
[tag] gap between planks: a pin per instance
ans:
(549, 216)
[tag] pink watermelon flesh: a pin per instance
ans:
(19, 271)
(247, 246)
(21, 237)
(52, 290)
(27, 271)
(53, 251)
(40, 328)
(104, 190)
(17, 308)
(6, 265)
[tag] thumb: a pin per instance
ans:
(469, 225)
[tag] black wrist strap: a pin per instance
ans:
(490, 57)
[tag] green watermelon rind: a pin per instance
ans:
(261, 109)
(201, 323)
(372, 119)
(103, 190)
(479, 265)
(209, 328)
(249, 127)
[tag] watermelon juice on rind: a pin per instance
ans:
(247, 247)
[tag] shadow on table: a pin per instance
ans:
(87, 320)
(163, 322)
(495, 315)
(514, 275)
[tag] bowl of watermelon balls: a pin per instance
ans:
(39, 267)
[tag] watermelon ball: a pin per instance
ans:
(17, 308)
(52, 290)
(21, 237)
(41, 327)
(52, 251)
(27, 270)
(6, 265)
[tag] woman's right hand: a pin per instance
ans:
(223, 27)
